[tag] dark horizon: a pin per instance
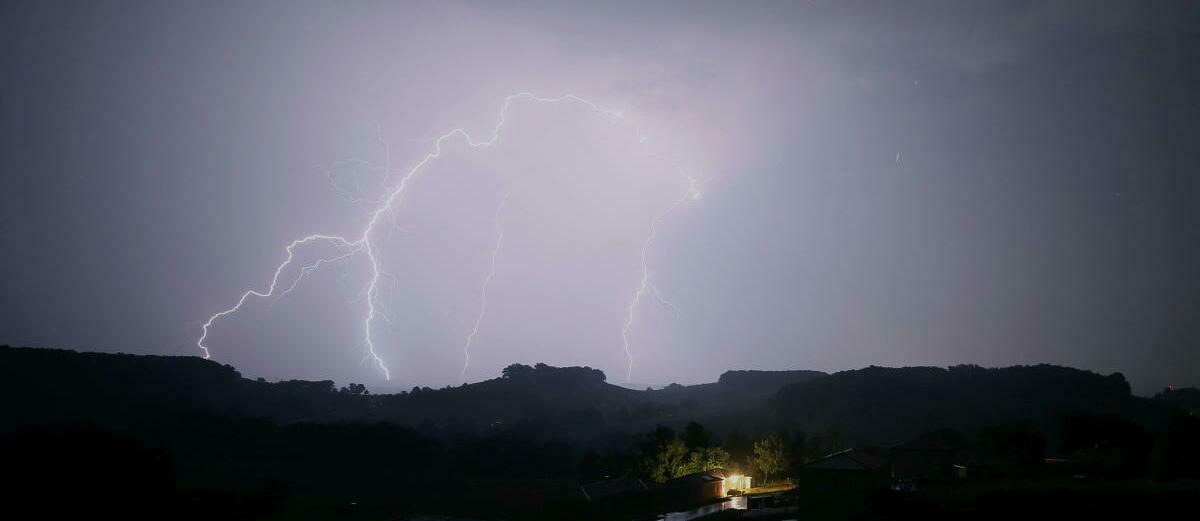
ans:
(192, 438)
(396, 387)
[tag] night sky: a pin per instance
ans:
(884, 183)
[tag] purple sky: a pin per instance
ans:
(917, 183)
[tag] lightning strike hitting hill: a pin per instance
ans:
(644, 285)
(364, 244)
(483, 287)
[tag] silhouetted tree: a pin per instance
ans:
(707, 458)
(770, 456)
(796, 447)
(671, 461)
(696, 436)
(517, 371)
(835, 438)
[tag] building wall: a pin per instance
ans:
(742, 483)
(691, 493)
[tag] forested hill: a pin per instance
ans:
(890, 405)
(56, 385)
(116, 389)
(872, 405)
(215, 445)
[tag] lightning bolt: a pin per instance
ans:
(365, 244)
(644, 285)
(483, 288)
(291, 253)
(654, 292)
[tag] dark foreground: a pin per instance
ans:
(141, 437)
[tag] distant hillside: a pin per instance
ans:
(569, 402)
(889, 405)
(737, 400)
(577, 402)
(116, 390)
(873, 405)
(1186, 398)
(766, 379)
(58, 385)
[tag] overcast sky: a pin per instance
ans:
(887, 183)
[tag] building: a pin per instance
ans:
(697, 487)
(919, 462)
(732, 482)
(849, 473)
(604, 490)
(605, 500)
(440, 518)
(624, 498)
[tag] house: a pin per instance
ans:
(975, 465)
(605, 500)
(605, 490)
(850, 460)
(732, 482)
(697, 487)
(921, 461)
(439, 518)
(848, 473)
